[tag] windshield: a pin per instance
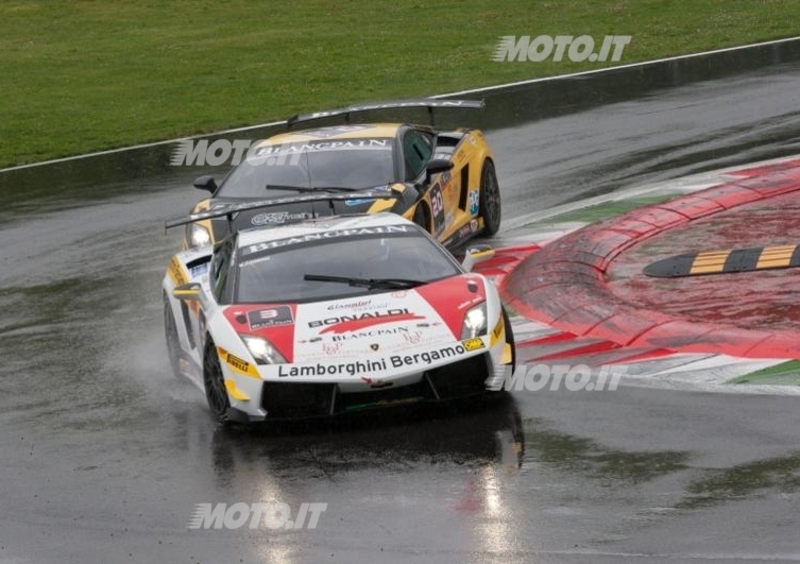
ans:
(350, 163)
(280, 274)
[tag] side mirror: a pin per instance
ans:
(205, 182)
(435, 166)
(477, 254)
(187, 292)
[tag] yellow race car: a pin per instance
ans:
(444, 181)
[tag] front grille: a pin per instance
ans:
(287, 400)
(412, 393)
(463, 378)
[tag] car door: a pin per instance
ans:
(220, 283)
(417, 152)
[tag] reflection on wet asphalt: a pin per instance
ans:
(105, 455)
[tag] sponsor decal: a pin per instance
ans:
(360, 304)
(311, 340)
(398, 361)
(331, 348)
(498, 328)
(315, 146)
(367, 367)
(350, 368)
(472, 344)
(258, 260)
(399, 294)
(444, 180)
(199, 270)
(311, 237)
(280, 217)
(474, 202)
(470, 302)
(176, 272)
(376, 385)
(278, 315)
(326, 132)
(464, 232)
(347, 323)
(373, 333)
(356, 202)
(237, 362)
(413, 338)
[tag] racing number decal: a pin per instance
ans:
(437, 207)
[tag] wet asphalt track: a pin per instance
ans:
(103, 455)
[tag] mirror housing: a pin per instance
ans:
(205, 182)
(398, 188)
(435, 166)
(476, 254)
(187, 292)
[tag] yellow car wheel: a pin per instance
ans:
(421, 218)
(489, 199)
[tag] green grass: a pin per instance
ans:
(606, 210)
(785, 373)
(88, 75)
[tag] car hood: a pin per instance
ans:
(356, 327)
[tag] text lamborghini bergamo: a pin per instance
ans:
(332, 315)
(444, 181)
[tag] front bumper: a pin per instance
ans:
(295, 400)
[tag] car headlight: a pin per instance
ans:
(262, 350)
(474, 322)
(197, 235)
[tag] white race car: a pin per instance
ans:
(332, 315)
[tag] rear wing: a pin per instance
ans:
(231, 209)
(429, 103)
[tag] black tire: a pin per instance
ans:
(420, 217)
(173, 343)
(489, 200)
(510, 341)
(213, 381)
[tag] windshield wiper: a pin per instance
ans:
(370, 283)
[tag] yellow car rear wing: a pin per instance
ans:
(229, 210)
(429, 103)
